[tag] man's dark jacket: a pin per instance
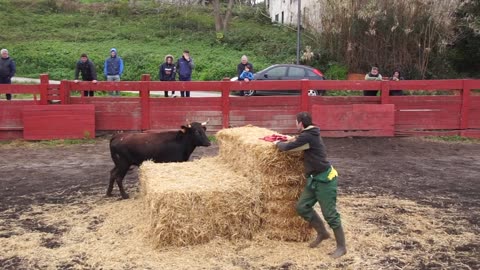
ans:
(315, 155)
(87, 70)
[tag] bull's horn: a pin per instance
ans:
(206, 122)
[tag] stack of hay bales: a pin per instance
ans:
(277, 174)
(191, 203)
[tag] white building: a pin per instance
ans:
(285, 12)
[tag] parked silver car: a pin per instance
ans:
(286, 72)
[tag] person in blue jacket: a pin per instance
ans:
(246, 74)
(113, 68)
(185, 67)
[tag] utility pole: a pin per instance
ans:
(299, 21)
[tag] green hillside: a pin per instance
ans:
(48, 36)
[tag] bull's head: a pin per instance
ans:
(196, 132)
(203, 123)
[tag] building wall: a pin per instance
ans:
(285, 12)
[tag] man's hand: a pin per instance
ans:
(94, 81)
(75, 81)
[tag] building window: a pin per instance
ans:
(282, 17)
(276, 17)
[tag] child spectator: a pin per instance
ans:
(396, 77)
(246, 74)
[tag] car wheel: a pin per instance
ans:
(249, 93)
(316, 92)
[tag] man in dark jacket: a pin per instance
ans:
(321, 184)
(87, 69)
(185, 67)
(7, 70)
(241, 67)
(167, 72)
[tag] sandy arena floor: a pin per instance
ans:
(406, 203)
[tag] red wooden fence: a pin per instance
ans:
(457, 113)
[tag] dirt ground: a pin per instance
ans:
(408, 203)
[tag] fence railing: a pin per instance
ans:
(461, 106)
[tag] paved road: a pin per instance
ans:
(192, 93)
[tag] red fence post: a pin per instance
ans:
(226, 85)
(145, 101)
(464, 112)
(44, 80)
(385, 93)
(66, 92)
(304, 84)
(62, 91)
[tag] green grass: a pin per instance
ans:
(212, 138)
(46, 143)
(455, 139)
(44, 39)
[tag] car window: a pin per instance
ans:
(277, 71)
(296, 72)
(311, 73)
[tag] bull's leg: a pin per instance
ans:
(121, 174)
(113, 176)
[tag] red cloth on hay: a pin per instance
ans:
(275, 137)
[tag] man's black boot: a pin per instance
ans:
(319, 227)
(341, 247)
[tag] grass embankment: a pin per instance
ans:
(43, 38)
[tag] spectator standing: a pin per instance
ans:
(184, 69)
(373, 75)
(87, 69)
(113, 69)
(167, 72)
(7, 70)
(396, 77)
(246, 74)
(241, 67)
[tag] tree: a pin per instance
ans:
(222, 20)
(392, 34)
(464, 54)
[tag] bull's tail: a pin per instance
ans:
(116, 138)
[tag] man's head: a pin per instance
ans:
(113, 52)
(304, 119)
(4, 53)
(244, 59)
(186, 54)
(374, 70)
(83, 57)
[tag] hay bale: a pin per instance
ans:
(191, 203)
(242, 149)
(278, 174)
